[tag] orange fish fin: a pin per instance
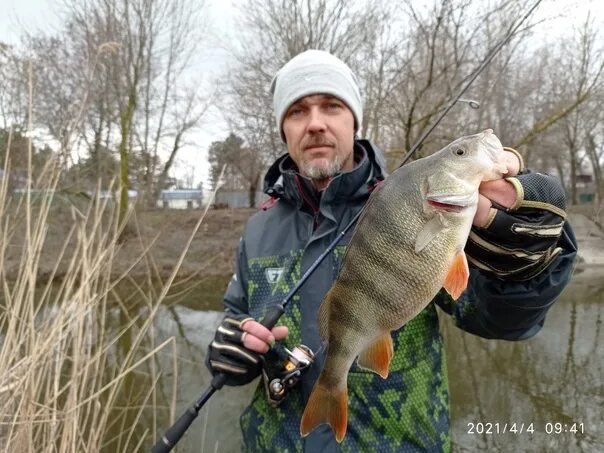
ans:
(376, 357)
(457, 278)
(326, 405)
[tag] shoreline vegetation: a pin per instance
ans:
(68, 379)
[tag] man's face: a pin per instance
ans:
(319, 130)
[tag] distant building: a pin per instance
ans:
(586, 188)
(180, 199)
(236, 198)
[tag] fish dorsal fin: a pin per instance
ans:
(376, 357)
(430, 230)
(457, 278)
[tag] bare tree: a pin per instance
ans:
(595, 153)
(12, 89)
(575, 90)
(444, 43)
(63, 86)
(189, 107)
(243, 168)
(170, 110)
(410, 61)
(273, 32)
(134, 100)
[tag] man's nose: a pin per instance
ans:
(316, 120)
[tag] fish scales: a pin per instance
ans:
(391, 263)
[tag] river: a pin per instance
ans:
(544, 389)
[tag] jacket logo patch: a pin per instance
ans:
(273, 274)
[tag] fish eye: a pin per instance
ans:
(459, 152)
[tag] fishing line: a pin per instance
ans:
(470, 79)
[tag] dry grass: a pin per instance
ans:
(61, 380)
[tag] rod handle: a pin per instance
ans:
(168, 441)
(272, 317)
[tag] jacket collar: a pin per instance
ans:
(283, 180)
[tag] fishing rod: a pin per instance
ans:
(470, 79)
(167, 442)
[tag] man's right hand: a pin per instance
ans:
(236, 347)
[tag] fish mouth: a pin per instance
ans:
(452, 202)
(448, 207)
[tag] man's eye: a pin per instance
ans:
(334, 105)
(294, 112)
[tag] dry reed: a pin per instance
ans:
(61, 378)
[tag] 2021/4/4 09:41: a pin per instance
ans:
(519, 428)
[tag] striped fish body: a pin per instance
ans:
(407, 245)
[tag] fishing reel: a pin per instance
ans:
(286, 372)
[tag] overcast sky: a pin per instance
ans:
(33, 15)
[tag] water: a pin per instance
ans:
(556, 377)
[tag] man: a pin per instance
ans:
(520, 250)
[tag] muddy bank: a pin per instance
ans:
(157, 239)
(153, 245)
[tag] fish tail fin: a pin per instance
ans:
(457, 278)
(326, 405)
(377, 355)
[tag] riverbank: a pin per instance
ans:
(153, 245)
(157, 239)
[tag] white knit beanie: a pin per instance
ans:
(315, 72)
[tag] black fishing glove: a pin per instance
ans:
(520, 242)
(227, 354)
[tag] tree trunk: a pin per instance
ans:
(163, 177)
(126, 129)
(573, 177)
(253, 189)
(597, 169)
(96, 149)
(252, 195)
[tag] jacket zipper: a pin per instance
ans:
(315, 209)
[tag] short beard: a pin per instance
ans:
(320, 172)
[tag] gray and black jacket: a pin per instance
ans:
(409, 410)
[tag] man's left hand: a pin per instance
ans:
(517, 224)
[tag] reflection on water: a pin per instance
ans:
(556, 377)
(217, 427)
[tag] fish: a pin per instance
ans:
(408, 244)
